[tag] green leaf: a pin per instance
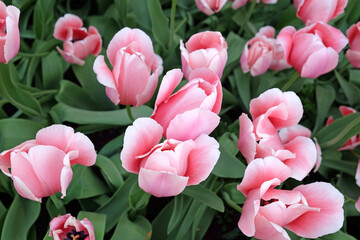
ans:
(3, 211)
(235, 195)
(159, 22)
(20, 217)
(113, 146)
(342, 166)
(16, 131)
(351, 91)
(52, 210)
(206, 196)
(228, 165)
(117, 204)
(139, 229)
(325, 96)
(97, 220)
(62, 112)
(138, 199)
(338, 235)
(177, 213)
(110, 170)
(43, 16)
(52, 70)
(337, 133)
(84, 184)
(21, 99)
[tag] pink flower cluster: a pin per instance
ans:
(185, 118)
(276, 147)
(42, 167)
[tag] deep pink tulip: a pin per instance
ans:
(210, 7)
(42, 167)
(302, 210)
(239, 3)
(313, 50)
(68, 227)
(205, 49)
(353, 54)
(194, 107)
(312, 11)
(136, 68)
(263, 52)
(165, 169)
(354, 141)
(9, 32)
(78, 42)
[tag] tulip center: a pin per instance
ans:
(2, 27)
(78, 35)
(266, 202)
(74, 235)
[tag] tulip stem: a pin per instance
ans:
(247, 17)
(128, 109)
(50, 92)
(172, 23)
(290, 82)
(231, 202)
(40, 54)
(57, 202)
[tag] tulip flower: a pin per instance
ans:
(68, 227)
(78, 42)
(9, 33)
(353, 54)
(42, 167)
(312, 11)
(184, 108)
(239, 3)
(205, 49)
(210, 7)
(165, 169)
(135, 68)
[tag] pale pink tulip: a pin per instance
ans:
(78, 42)
(165, 169)
(68, 227)
(9, 32)
(353, 54)
(135, 68)
(42, 167)
(193, 109)
(314, 48)
(205, 49)
(357, 178)
(312, 11)
(263, 52)
(210, 7)
(239, 3)
(354, 141)
(274, 110)
(267, 210)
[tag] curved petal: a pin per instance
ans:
(247, 141)
(12, 43)
(64, 26)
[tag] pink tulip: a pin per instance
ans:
(354, 141)
(267, 210)
(239, 3)
(78, 42)
(193, 108)
(9, 33)
(136, 68)
(353, 54)
(165, 169)
(312, 11)
(42, 167)
(357, 178)
(210, 7)
(205, 49)
(263, 52)
(314, 48)
(68, 227)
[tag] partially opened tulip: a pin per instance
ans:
(313, 50)
(312, 11)
(78, 42)
(210, 7)
(68, 227)
(42, 167)
(205, 49)
(135, 68)
(9, 32)
(165, 169)
(267, 211)
(353, 54)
